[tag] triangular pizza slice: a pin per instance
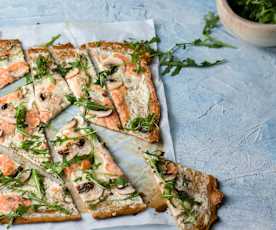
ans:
(192, 196)
(78, 71)
(28, 197)
(49, 86)
(12, 63)
(96, 178)
(20, 126)
(130, 86)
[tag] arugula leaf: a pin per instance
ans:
(102, 76)
(175, 66)
(12, 215)
(120, 181)
(34, 146)
(87, 103)
(52, 41)
(42, 67)
(38, 181)
(20, 117)
(60, 140)
(89, 132)
(9, 181)
(62, 70)
(90, 176)
(28, 78)
(211, 21)
(143, 124)
(211, 42)
(81, 63)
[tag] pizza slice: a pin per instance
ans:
(78, 71)
(12, 63)
(192, 196)
(28, 197)
(49, 86)
(20, 126)
(130, 86)
(96, 178)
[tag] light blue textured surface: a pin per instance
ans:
(223, 119)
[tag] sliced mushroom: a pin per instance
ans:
(71, 124)
(85, 187)
(72, 73)
(101, 113)
(95, 193)
(112, 61)
(1, 132)
(124, 191)
(114, 85)
(24, 175)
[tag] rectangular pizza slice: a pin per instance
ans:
(130, 86)
(49, 86)
(78, 71)
(96, 178)
(28, 197)
(20, 126)
(12, 63)
(192, 196)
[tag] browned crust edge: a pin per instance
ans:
(42, 219)
(35, 50)
(113, 212)
(216, 197)
(68, 45)
(116, 46)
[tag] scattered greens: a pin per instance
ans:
(28, 78)
(262, 11)
(86, 103)
(33, 145)
(42, 67)
(52, 41)
(102, 76)
(143, 124)
(9, 181)
(38, 181)
(12, 215)
(170, 63)
(60, 140)
(20, 116)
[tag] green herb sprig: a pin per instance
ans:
(85, 102)
(102, 76)
(20, 117)
(52, 41)
(143, 124)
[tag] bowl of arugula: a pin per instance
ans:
(253, 21)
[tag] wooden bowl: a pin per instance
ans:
(255, 33)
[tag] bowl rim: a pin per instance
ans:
(229, 10)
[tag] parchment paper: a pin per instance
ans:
(127, 150)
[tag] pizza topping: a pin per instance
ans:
(20, 116)
(101, 113)
(4, 106)
(143, 124)
(81, 142)
(42, 96)
(111, 85)
(42, 67)
(10, 202)
(103, 76)
(94, 193)
(24, 175)
(7, 166)
(85, 187)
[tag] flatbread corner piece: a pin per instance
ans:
(192, 196)
(79, 73)
(95, 177)
(20, 126)
(28, 197)
(132, 91)
(49, 86)
(12, 63)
